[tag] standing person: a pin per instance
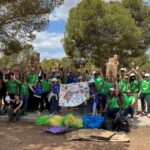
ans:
(46, 89)
(24, 93)
(12, 86)
(37, 96)
(32, 79)
(145, 94)
(134, 86)
(128, 104)
(112, 106)
(95, 98)
(91, 92)
(104, 91)
(55, 90)
(14, 110)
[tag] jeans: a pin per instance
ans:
(129, 110)
(11, 114)
(53, 105)
(111, 113)
(94, 109)
(147, 98)
(25, 101)
(90, 106)
(142, 98)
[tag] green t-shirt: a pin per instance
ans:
(45, 85)
(24, 89)
(12, 87)
(32, 78)
(123, 86)
(105, 87)
(134, 86)
(127, 100)
(145, 86)
(98, 82)
(112, 103)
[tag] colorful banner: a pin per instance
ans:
(74, 94)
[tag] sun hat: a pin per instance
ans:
(54, 80)
(91, 81)
(147, 75)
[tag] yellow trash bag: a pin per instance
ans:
(55, 120)
(68, 119)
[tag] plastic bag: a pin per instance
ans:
(68, 119)
(92, 121)
(77, 124)
(55, 120)
(41, 120)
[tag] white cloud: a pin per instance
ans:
(59, 55)
(61, 13)
(45, 40)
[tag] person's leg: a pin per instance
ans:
(94, 109)
(31, 102)
(42, 102)
(112, 113)
(18, 115)
(90, 106)
(124, 112)
(46, 100)
(136, 102)
(104, 100)
(26, 103)
(147, 98)
(131, 111)
(10, 114)
(52, 104)
(81, 107)
(142, 98)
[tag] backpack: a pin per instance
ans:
(109, 124)
(121, 124)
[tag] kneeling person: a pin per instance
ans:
(112, 106)
(14, 110)
(128, 104)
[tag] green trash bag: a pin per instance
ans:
(41, 120)
(77, 124)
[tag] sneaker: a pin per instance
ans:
(131, 119)
(148, 116)
(38, 113)
(142, 114)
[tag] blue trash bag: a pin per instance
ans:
(92, 122)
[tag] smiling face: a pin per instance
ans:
(129, 92)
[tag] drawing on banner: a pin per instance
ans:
(74, 94)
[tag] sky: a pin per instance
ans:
(48, 43)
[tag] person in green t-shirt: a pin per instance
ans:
(124, 85)
(145, 94)
(24, 93)
(134, 86)
(128, 104)
(12, 86)
(46, 89)
(32, 77)
(32, 80)
(112, 106)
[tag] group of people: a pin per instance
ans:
(36, 90)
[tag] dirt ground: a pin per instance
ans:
(26, 136)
